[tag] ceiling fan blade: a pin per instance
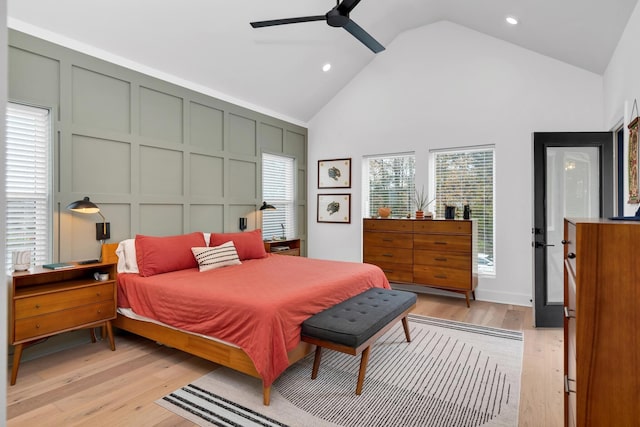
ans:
(357, 32)
(347, 6)
(273, 22)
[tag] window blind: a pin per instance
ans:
(467, 177)
(391, 183)
(278, 189)
(28, 182)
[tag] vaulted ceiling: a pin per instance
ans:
(208, 45)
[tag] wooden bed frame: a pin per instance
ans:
(214, 351)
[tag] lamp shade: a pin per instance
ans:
(265, 206)
(84, 206)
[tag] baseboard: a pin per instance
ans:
(481, 295)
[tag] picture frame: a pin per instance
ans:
(334, 208)
(334, 173)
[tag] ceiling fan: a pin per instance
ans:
(336, 17)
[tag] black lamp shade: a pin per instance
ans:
(265, 206)
(84, 206)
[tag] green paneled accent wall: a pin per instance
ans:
(157, 158)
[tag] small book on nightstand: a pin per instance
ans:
(57, 266)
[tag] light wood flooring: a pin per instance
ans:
(92, 386)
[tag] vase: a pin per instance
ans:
(384, 212)
(419, 214)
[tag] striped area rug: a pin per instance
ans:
(451, 374)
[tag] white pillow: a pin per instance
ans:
(127, 262)
(216, 256)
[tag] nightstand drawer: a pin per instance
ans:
(442, 277)
(39, 326)
(62, 300)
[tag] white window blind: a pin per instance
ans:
(391, 184)
(278, 189)
(28, 182)
(464, 177)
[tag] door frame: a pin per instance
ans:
(551, 315)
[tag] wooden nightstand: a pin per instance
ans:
(45, 302)
(283, 247)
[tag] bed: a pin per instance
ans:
(245, 316)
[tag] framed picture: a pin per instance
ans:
(334, 208)
(334, 173)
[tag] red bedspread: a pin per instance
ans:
(258, 305)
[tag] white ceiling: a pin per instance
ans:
(208, 45)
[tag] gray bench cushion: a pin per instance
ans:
(357, 319)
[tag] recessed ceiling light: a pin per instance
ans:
(511, 20)
(326, 67)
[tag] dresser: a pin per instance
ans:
(602, 322)
(435, 253)
(45, 302)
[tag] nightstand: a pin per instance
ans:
(45, 302)
(283, 247)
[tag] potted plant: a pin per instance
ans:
(421, 202)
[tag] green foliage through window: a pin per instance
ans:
(391, 184)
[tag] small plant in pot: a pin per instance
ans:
(421, 202)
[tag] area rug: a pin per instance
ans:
(450, 374)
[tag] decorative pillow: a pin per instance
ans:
(157, 255)
(126, 252)
(215, 257)
(249, 244)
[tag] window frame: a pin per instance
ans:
(291, 227)
(405, 210)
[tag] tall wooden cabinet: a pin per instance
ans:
(602, 323)
(435, 253)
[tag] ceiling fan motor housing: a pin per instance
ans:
(337, 19)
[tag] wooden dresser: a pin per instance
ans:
(45, 302)
(602, 323)
(436, 253)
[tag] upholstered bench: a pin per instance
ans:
(352, 326)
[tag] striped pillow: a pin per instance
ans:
(216, 256)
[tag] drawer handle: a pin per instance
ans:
(99, 311)
(388, 255)
(564, 242)
(441, 276)
(567, 389)
(440, 243)
(387, 240)
(441, 259)
(571, 255)
(97, 294)
(37, 305)
(568, 313)
(37, 325)
(388, 271)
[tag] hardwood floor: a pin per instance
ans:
(90, 385)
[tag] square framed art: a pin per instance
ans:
(334, 173)
(334, 208)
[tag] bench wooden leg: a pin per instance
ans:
(405, 325)
(316, 362)
(363, 369)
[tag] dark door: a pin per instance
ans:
(573, 177)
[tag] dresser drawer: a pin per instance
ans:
(442, 259)
(56, 301)
(445, 227)
(442, 242)
(48, 324)
(397, 272)
(442, 277)
(378, 255)
(393, 240)
(388, 225)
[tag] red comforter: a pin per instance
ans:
(258, 305)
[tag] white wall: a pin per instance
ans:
(622, 86)
(443, 85)
(3, 202)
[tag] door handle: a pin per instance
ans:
(541, 245)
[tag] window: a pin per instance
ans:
(278, 189)
(463, 177)
(28, 183)
(390, 183)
